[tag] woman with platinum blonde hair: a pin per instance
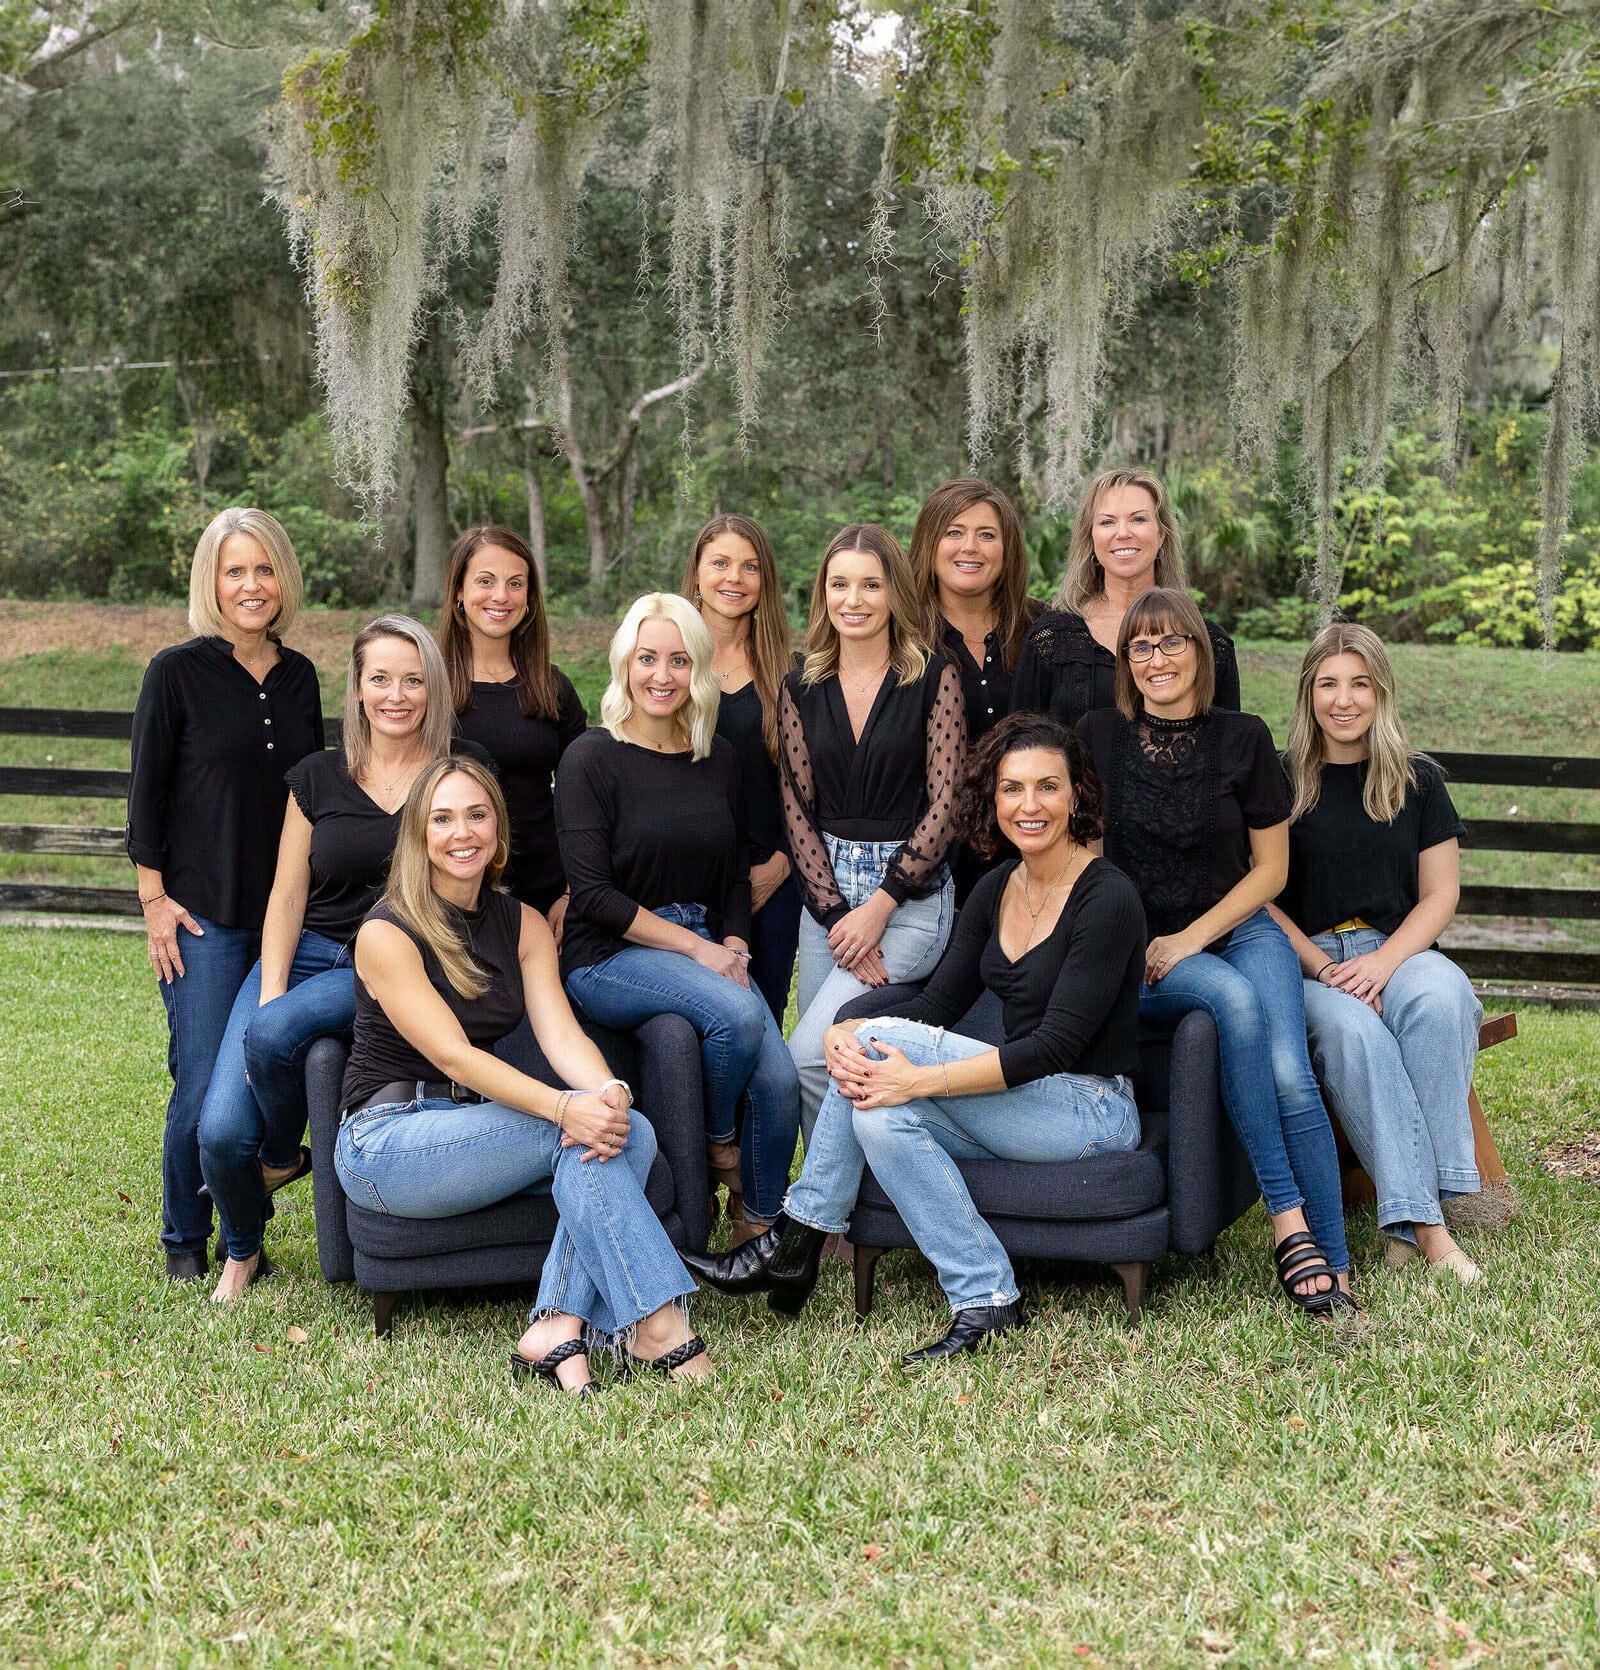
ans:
(219, 721)
(1374, 879)
(651, 820)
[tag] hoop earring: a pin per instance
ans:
(502, 853)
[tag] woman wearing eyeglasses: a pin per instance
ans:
(1197, 815)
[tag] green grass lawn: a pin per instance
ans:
(179, 1486)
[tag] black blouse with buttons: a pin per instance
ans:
(206, 794)
(986, 688)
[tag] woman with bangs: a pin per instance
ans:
(1374, 879)
(219, 721)
(1197, 815)
(1124, 541)
(731, 577)
(873, 734)
(971, 565)
(434, 1124)
(651, 820)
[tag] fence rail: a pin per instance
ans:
(1549, 967)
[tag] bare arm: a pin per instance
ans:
(286, 908)
(1313, 959)
(1260, 885)
(1438, 894)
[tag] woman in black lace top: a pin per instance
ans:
(872, 734)
(1197, 814)
(1124, 541)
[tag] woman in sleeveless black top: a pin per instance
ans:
(435, 1125)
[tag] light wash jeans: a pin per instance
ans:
(610, 1263)
(1398, 1082)
(912, 1150)
(742, 1055)
(911, 945)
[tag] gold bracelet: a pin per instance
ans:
(561, 1110)
(944, 1067)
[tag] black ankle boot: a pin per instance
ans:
(968, 1330)
(783, 1263)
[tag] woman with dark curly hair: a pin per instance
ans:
(1058, 935)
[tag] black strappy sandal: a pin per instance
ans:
(1299, 1258)
(545, 1368)
(668, 1361)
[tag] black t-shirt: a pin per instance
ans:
(1071, 1003)
(639, 830)
(381, 1055)
(1182, 796)
(1343, 864)
(739, 719)
(206, 793)
(526, 752)
(1066, 671)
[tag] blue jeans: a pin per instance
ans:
(911, 945)
(240, 1126)
(741, 1048)
(610, 1262)
(1252, 990)
(198, 1003)
(1398, 1081)
(912, 1150)
(774, 935)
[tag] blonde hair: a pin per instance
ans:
(439, 719)
(1156, 611)
(1084, 579)
(909, 648)
(205, 616)
(616, 706)
(1391, 760)
(771, 650)
(409, 893)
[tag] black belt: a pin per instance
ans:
(411, 1090)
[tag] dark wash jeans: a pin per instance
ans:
(774, 939)
(198, 1003)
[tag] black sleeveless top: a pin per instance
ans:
(380, 1055)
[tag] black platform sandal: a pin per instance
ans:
(545, 1368)
(1299, 1258)
(668, 1361)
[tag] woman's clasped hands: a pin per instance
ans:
(597, 1121)
(869, 1082)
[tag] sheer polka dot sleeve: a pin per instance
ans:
(807, 850)
(918, 860)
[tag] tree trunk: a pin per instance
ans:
(430, 460)
(536, 544)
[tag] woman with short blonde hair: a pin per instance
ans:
(219, 721)
(696, 716)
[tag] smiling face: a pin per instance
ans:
(1166, 681)
(462, 831)
(394, 694)
(494, 592)
(857, 594)
(970, 555)
(1034, 799)
(1127, 535)
(659, 670)
(247, 584)
(1344, 702)
(729, 577)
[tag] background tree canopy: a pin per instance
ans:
(597, 267)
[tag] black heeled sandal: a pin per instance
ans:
(668, 1361)
(1299, 1259)
(545, 1369)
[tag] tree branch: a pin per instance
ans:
(630, 433)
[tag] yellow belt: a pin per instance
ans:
(1350, 926)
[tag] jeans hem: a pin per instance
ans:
(988, 1301)
(1408, 1212)
(821, 1229)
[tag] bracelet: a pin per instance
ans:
(944, 1067)
(628, 1088)
(151, 900)
(737, 952)
(561, 1109)
(1330, 963)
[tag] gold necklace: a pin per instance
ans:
(1027, 902)
(253, 660)
(861, 688)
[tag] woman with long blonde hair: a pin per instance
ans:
(1374, 879)
(650, 816)
(435, 1124)
(873, 733)
(1125, 540)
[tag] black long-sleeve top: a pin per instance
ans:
(526, 753)
(1071, 1003)
(206, 796)
(897, 783)
(1065, 670)
(985, 686)
(739, 719)
(639, 830)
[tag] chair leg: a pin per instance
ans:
(383, 1305)
(1133, 1282)
(866, 1266)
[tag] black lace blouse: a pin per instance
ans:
(1065, 670)
(896, 784)
(1182, 796)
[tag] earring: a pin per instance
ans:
(698, 599)
(461, 610)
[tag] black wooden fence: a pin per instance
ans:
(1545, 771)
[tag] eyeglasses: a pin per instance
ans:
(1175, 643)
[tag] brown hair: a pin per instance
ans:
(909, 649)
(537, 688)
(976, 825)
(1013, 608)
(771, 651)
(1083, 579)
(1162, 609)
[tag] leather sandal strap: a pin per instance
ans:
(552, 1359)
(691, 1348)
